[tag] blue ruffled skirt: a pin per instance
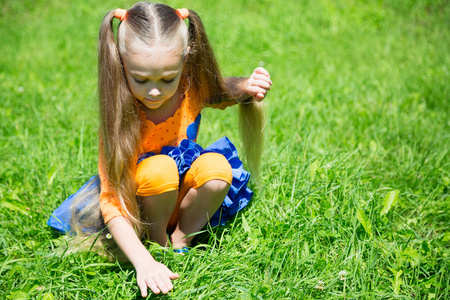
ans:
(184, 155)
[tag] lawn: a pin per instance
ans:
(353, 200)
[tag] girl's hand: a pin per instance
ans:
(156, 276)
(149, 272)
(258, 84)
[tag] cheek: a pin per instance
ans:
(131, 85)
(172, 89)
(176, 84)
(136, 89)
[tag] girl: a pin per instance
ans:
(154, 181)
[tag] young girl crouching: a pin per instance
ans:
(155, 182)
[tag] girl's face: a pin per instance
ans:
(153, 74)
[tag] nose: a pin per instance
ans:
(154, 92)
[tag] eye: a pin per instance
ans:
(139, 81)
(168, 80)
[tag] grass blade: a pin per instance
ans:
(365, 222)
(389, 201)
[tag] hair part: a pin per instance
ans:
(151, 25)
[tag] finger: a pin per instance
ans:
(261, 70)
(260, 75)
(259, 97)
(162, 285)
(152, 285)
(143, 287)
(255, 90)
(261, 83)
(172, 275)
(262, 78)
(166, 280)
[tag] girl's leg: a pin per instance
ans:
(197, 207)
(203, 190)
(156, 211)
(157, 180)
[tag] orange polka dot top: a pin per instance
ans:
(184, 124)
(172, 131)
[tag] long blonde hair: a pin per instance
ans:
(120, 126)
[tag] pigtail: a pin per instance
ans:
(207, 82)
(251, 129)
(201, 66)
(120, 126)
(119, 144)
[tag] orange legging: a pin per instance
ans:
(159, 174)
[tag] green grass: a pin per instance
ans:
(359, 111)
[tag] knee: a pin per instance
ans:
(211, 167)
(216, 186)
(156, 175)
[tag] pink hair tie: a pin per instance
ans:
(183, 13)
(120, 14)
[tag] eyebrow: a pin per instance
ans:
(164, 75)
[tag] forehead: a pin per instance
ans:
(154, 60)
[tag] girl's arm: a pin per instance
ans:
(243, 89)
(149, 272)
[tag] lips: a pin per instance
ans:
(152, 100)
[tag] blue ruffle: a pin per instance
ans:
(192, 129)
(184, 155)
(239, 194)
